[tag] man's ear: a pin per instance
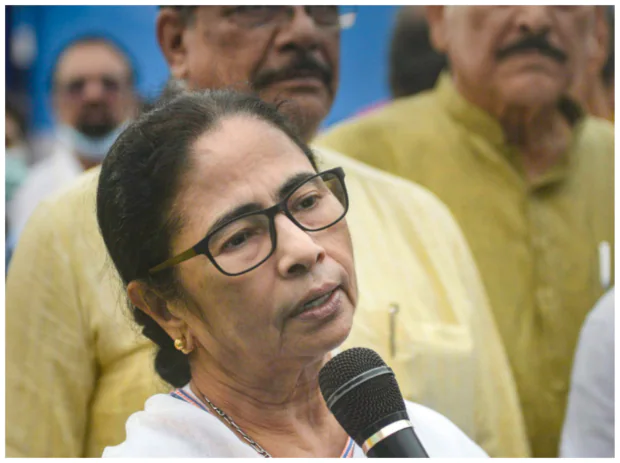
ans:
(170, 29)
(156, 307)
(435, 15)
(600, 40)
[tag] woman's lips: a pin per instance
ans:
(322, 307)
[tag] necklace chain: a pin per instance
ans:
(251, 442)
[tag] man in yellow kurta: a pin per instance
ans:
(527, 175)
(77, 368)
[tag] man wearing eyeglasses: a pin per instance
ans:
(93, 98)
(422, 307)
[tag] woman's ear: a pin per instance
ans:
(155, 306)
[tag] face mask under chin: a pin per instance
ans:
(91, 148)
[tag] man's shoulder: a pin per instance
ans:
(597, 132)
(69, 211)
(598, 125)
(397, 111)
(369, 177)
(76, 193)
(377, 193)
(594, 148)
(411, 113)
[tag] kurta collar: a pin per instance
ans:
(478, 121)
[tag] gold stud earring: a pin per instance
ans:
(179, 344)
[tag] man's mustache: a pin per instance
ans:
(304, 65)
(533, 42)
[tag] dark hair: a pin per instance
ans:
(608, 70)
(414, 65)
(139, 181)
(91, 39)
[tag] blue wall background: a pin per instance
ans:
(363, 51)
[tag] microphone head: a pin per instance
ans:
(361, 391)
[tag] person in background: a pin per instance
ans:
(421, 305)
(93, 96)
(589, 425)
(16, 157)
(414, 65)
(528, 175)
(595, 87)
(17, 153)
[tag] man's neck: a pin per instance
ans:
(541, 136)
(540, 133)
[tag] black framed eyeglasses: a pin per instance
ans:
(245, 242)
(327, 16)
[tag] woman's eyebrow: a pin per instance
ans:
(289, 185)
(234, 213)
(293, 182)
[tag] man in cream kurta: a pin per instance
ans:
(76, 368)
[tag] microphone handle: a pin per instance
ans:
(401, 444)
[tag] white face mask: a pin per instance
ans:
(94, 149)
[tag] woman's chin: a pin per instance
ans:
(332, 335)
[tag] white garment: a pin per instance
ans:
(44, 178)
(170, 427)
(589, 424)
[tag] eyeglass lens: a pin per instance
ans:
(316, 204)
(260, 15)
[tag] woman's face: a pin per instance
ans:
(256, 316)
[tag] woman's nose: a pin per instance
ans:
(297, 252)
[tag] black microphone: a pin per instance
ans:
(362, 393)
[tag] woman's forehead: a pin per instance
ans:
(243, 144)
(229, 169)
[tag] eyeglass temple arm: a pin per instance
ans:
(174, 260)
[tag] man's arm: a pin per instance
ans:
(50, 369)
(499, 420)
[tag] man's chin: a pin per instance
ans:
(306, 108)
(297, 88)
(96, 129)
(532, 89)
